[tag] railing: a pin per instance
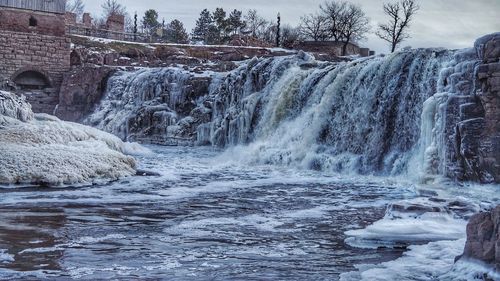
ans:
(107, 34)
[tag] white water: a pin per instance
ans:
(378, 115)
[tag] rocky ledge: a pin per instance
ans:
(483, 238)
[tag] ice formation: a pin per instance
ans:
(378, 115)
(41, 149)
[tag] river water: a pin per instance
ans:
(203, 218)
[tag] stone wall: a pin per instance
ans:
(116, 23)
(19, 21)
(332, 48)
(44, 54)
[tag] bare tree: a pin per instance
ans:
(400, 16)
(255, 23)
(346, 22)
(290, 36)
(314, 26)
(354, 24)
(334, 12)
(112, 7)
(75, 6)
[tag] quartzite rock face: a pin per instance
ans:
(483, 238)
(477, 134)
(81, 91)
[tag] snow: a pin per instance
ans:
(152, 45)
(41, 149)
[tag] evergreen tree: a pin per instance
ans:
(221, 26)
(234, 22)
(176, 33)
(150, 21)
(278, 30)
(203, 26)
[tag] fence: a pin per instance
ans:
(107, 34)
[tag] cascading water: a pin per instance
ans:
(378, 115)
(149, 104)
(363, 116)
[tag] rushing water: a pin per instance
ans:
(203, 218)
(378, 115)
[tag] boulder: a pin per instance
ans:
(483, 238)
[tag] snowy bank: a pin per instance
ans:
(41, 149)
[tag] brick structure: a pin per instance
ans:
(87, 20)
(34, 52)
(115, 25)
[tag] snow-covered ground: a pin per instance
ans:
(152, 45)
(41, 149)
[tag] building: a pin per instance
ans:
(34, 50)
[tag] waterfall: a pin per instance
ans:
(384, 115)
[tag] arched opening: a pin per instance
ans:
(75, 58)
(31, 80)
(33, 21)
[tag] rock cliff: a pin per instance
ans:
(477, 134)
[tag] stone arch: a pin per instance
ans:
(31, 79)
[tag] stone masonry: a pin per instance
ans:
(48, 55)
(33, 45)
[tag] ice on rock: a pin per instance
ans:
(410, 222)
(15, 107)
(421, 262)
(41, 149)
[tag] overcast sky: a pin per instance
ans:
(439, 23)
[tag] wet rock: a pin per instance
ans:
(474, 153)
(483, 238)
(81, 90)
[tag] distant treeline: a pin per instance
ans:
(338, 21)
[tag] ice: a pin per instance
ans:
(45, 150)
(408, 222)
(5, 257)
(405, 231)
(15, 107)
(422, 262)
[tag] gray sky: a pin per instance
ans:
(439, 23)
